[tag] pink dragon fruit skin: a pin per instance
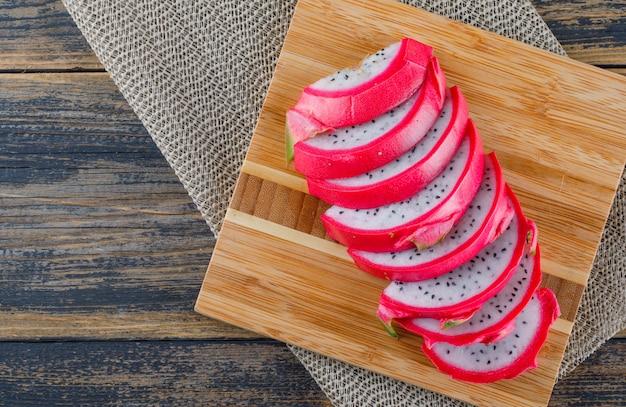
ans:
(373, 143)
(486, 218)
(377, 84)
(508, 358)
(455, 296)
(429, 214)
(406, 175)
(494, 320)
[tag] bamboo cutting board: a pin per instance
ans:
(556, 125)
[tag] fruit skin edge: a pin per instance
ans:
(368, 100)
(527, 360)
(492, 333)
(428, 228)
(497, 221)
(390, 308)
(320, 163)
(413, 178)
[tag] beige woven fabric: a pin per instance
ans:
(196, 74)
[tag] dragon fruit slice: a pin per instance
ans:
(494, 320)
(355, 95)
(406, 175)
(421, 220)
(486, 218)
(508, 358)
(353, 150)
(455, 296)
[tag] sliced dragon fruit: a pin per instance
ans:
(455, 296)
(508, 358)
(406, 175)
(486, 218)
(494, 320)
(421, 220)
(353, 150)
(355, 95)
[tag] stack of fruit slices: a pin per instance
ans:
(416, 200)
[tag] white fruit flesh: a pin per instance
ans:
(484, 357)
(408, 159)
(507, 358)
(367, 69)
(398, 213)
(464, 282)
(364, 133)
(502, 307)
(467, 227)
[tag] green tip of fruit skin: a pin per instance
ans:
(450, 324)
(389, 328)
(288, 146)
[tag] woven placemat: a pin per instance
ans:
(196, 74)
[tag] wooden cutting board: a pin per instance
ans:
(556, 125)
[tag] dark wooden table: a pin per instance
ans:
(103, 252)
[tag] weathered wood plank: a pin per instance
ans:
(591, 31)
(42, 36)
(261, 373)
(38, 35)
(599, 381)
(99, 238)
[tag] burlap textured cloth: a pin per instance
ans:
(196, 73)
